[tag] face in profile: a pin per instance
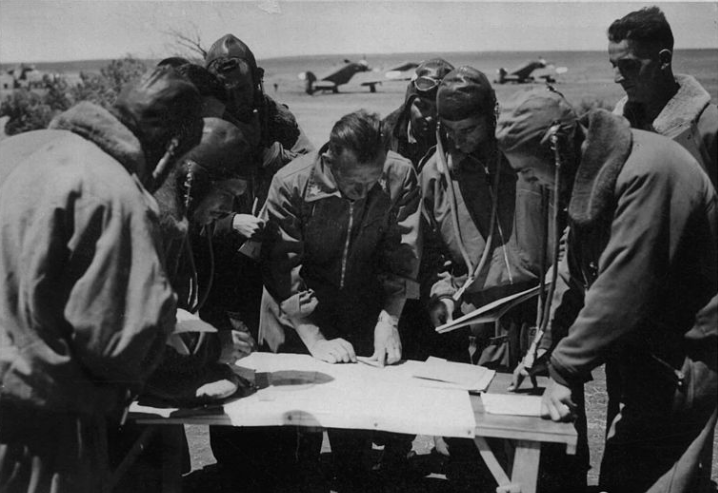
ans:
(422, 115)
(533, 169)
(636, 68)
(355, 179)
(218, 201)
(466, 136)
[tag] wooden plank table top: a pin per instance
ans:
(522, 436)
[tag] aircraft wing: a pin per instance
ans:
(404, 71)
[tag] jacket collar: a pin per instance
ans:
(606, 148)
(321, 181)
(685, 106)
(102, 128)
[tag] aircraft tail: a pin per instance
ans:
(309, 79)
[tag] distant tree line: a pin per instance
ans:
(32, 109)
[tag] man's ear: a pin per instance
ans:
(328, 156)
(665, 56)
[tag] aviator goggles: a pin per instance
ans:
(425, 83)
(224, 66)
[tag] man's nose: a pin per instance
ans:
(617, 75)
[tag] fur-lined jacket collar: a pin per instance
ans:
(684, 108)
(103, 129)
(606, 148)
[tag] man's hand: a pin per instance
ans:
(538, 365)
(236, 344)
(556, 403)
(442, 311)
(248, 225)
(333, 351)
(387, 343)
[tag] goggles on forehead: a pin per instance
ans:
(226, 65)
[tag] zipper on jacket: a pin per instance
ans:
(345, 254)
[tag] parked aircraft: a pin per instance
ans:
(337, 77)
(525, 73)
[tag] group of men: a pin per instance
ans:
(391, 228)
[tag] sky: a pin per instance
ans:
(60, 30)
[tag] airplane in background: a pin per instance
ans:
(524, 74)
(342, 75)
(337, 77)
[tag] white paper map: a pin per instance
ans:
(308, 392)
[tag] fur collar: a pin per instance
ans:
(606, 148)
(103, 129)
(684, 108)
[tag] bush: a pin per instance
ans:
(33, 109)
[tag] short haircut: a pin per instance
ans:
(205, 81)
(647, 26)
(361, 133)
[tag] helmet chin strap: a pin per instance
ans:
(543, 315)
(473, 272)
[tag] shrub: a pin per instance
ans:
(32, 109)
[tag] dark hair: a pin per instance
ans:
(359, 132)
(647, 26)
(205, 81)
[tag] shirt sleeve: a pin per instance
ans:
(646, 230)
(283, 252)
(120, 306)
(401, 247)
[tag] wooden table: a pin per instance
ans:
(522, 435)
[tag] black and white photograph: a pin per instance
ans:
(343, 246)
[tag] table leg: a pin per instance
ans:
(524, 471)
(490, 459)
(172, 458)
(526, 465)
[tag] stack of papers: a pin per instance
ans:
(456, 375)
(511, 404)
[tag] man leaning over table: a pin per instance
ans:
(85, 304)
(339, 258)
(639, 268)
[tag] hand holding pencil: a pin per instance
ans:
(251, 227)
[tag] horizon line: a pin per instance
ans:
(364, 54)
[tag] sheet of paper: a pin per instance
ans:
(511, 404)
(463, 375)
(300, 390)
(489, 312)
